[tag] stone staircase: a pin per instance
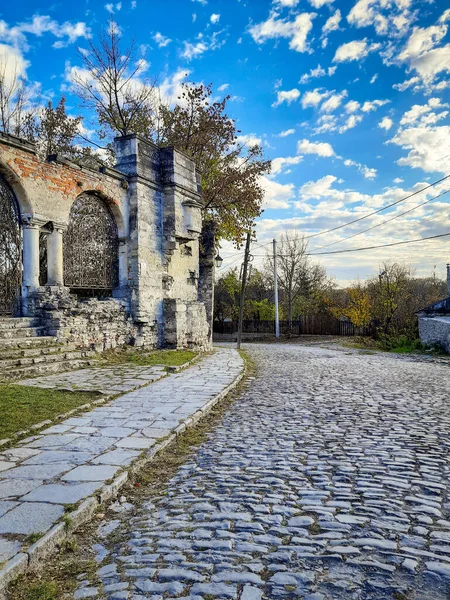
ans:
(26, 352)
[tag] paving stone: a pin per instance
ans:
(6, 505)
(49, 471)
(57, 493)
(30, 517)
(91, 473)
(8, 549)
(116, 457)
(135, 443)
(59, 456)
(14, 488)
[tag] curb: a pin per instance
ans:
(46, 545)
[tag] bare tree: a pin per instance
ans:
(112, 84)
(292, 264)
(16, 114)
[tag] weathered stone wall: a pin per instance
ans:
(155, 198)
(435, 330)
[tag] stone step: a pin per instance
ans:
(17, 322)
(46, 369)
(31, 342)
(21, 332)
(44, 359)
(9, 353)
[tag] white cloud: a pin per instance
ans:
(12, 63)
(418, 111)
(279, 164)
(161, 40)
(333, 102)
(249, 140)
(204, 2)
(374, 78)
(214, 18)
(422, 56)
(395, 21)
(113, 7)
(286, 132)
(314, 97)
(332, 23)
(318, 148)
(171, 86)
(429, 147)
(351, 122)
(355, 50)
(398, 180)
(372, 105)
(317, 72)
(66, 32)
(367, 172)
(287, 3)
(296, 31)
(320, 3)
(287, 96)
(385, 123)
(277, 195)
(352, 106)
(191, 51)
(223, 87)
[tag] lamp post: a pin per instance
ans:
(218, 260)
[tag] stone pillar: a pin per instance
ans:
(123, 263)
(30, 252)
(30, 259)
(55, 273)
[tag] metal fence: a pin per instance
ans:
(304, 325)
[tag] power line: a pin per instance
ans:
(379, 210)
(384, 222)
(432, 237)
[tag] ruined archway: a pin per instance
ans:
(10, 251)
(91, 247)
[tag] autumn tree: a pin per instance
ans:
(226, 296)
(55, 131)
(358, 306)
(231, 171)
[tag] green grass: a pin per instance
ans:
(144, 358)
(23, 406)
(395, 344)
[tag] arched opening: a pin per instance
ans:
(91, 248)
(10, 251)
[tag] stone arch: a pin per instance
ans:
(10, 250)
(15, 183)
(91, 246)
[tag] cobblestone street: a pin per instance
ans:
(328, 479)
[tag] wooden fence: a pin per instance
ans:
(304, 325)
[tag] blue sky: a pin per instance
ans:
(350, 100)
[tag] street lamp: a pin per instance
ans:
(219, 261)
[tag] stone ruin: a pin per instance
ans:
(108, 256)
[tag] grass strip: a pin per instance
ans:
(23, 406)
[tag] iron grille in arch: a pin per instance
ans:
(10, 251)
(91, 246)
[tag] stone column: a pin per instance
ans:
(30, 252)
(123, 263)
(55, 274)
(30, 260)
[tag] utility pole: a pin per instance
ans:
(275, 288)
(244, 281)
